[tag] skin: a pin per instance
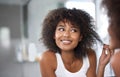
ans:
(104, 60)
(67, 37)
(112, 55)
(115, 63)
(114, 44)
(112, 7)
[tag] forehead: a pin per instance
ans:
(65, 21)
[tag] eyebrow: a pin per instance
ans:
(70, 24)
(75, 26)
(60, 25)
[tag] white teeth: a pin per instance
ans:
(66, 41)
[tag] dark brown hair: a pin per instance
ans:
(76, 16)
(113, 12)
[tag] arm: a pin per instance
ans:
(47, 64)
(92, 60)
(103, 60)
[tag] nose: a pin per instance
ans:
(66, 34)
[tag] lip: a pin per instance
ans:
(66, 41)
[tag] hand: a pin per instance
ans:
(105, 56)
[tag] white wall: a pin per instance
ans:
(12, 17)
(37, 10)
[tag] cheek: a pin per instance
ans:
(77, 38)
(56, 35)
(114, 43)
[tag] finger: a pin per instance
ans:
(105, 47)
(112, 52)
(108, 52)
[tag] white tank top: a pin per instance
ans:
(61, 71)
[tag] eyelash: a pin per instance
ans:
(74, 30)
(62, 29)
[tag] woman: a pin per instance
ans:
(69, 37)
(113, 11)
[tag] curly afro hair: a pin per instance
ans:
(76, 16)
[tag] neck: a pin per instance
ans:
(68, 57)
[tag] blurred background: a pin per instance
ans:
(20, 31)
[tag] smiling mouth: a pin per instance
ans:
(66, 41)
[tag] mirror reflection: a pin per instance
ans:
(20, 31)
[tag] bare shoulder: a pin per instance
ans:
(115, 58)
(115, 63)
(91, 54)
(92, 60)
(92, 57)
(48, 64)
(48, 57)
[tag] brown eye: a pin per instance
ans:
(73, 30)
(61, 29)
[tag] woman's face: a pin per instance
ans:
(114, 42)
(67, 36)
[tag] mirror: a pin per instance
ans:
(22, 21)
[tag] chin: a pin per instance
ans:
(114, 47)
(114, 44)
